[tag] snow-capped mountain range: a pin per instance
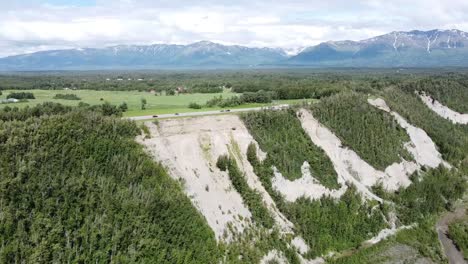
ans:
(434, 48)
(411, 49)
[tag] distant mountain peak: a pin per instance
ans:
(198, 54)
(415, 48)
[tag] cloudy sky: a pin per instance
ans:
(33, 25)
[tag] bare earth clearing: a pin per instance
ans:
(423, 149)
(444, 111)
(189, 148)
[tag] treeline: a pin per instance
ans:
(261, 97)
(375, 135)
(207, 87)
(22, 114)
(298, 84)
(67, 97)
(21, 96)
(76, 188)
(280, 134)
(298, 89)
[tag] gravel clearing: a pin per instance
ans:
(443, 111)
(189, 148)
(274, 255)
(306, 186)
(349, 166)
(300, 245)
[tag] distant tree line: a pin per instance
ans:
(21, 96)
(67, 97)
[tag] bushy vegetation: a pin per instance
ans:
(246, 98)
(423, 237)
(20, 95)
(223, 102)
(334, 225)
(280, 134)
(76, 188)
(194, 106)
(258, 97)
(373, 134)
(458, 232)
(430, 193)
(206, 88)
(251, 198)
(67, 97)
(223, 162)
(407, 246)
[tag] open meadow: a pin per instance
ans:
(155, 103)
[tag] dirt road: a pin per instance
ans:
(216, 112)
(454, 256)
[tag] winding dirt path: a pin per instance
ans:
(454, 256)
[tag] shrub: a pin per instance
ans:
(67, 97)
(21, 95)
(194, 106)
(123, 107)
(223, 162)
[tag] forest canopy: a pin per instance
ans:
(75, 187)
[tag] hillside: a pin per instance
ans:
(75, 187)
(360, 175)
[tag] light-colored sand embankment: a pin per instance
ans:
(189, 148)
(443, 111)
(274, 256)
(348, 165)
(306, 186)
(421, 146)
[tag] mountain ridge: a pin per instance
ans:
(416, 48)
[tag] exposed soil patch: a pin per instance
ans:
(443, 111)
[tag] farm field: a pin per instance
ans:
(156, 104)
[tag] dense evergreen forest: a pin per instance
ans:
(76, 188)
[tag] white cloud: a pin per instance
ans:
(38, 25)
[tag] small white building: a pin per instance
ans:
(10, 100)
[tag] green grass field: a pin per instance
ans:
(155, 104)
